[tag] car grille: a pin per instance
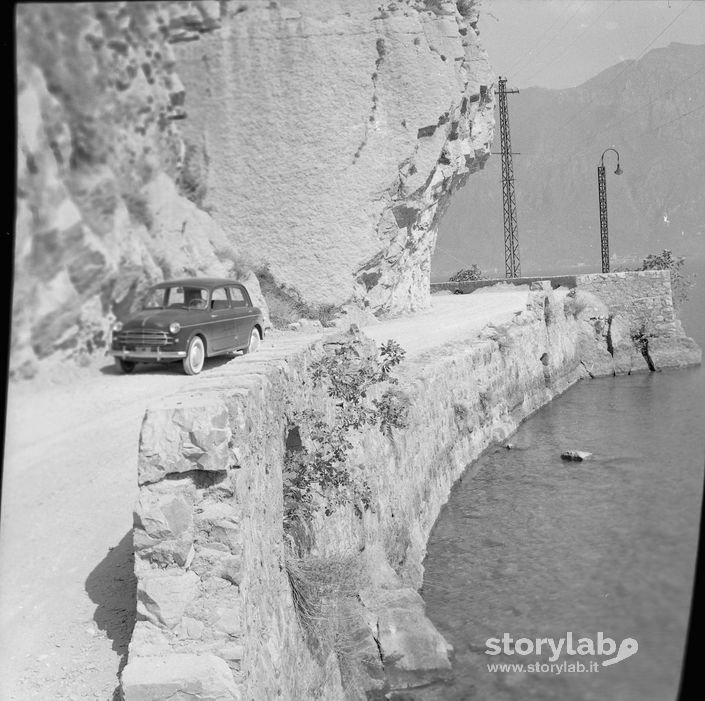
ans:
(143, 337)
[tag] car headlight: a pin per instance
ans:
(175, 327)
(117, 326)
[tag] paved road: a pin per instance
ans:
(66, 582)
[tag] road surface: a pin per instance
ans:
(67, 590)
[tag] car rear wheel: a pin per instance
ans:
(253, 345)
(195, 356)
(126, 366)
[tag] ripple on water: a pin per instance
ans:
(535, 547)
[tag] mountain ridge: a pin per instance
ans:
(648, 109)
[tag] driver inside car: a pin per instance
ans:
(194, 299)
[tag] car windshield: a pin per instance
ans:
(176, 297)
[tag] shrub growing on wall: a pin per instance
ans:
(318, 476)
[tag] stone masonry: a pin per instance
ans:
(622, 307)
(216, 619)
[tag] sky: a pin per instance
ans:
(562, 43)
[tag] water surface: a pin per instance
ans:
(535, 546)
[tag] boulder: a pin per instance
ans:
(178, 676)
(163, 595)
(413, 652)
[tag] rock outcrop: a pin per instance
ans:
(104, 195)
(629, 323)
(332, 136)
(318, 141)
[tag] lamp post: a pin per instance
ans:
(602, 193)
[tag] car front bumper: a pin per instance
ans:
(155, 354)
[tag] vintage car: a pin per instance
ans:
(188, 320)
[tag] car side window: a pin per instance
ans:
(238, 297)
(194, 297)
(219, 299)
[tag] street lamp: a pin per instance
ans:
(602, 192)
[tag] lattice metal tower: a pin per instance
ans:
(604, 237)
(602, 196)
(512, 267)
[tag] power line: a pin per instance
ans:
(668, 26)
(631, 64)
(589, 145)
(463, 262)
(450, 254)
(555, 36)
(587, 141)
(621, 119)
(572, 43)
(678, 118)
(520, 60)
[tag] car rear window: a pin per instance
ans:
(238, 297)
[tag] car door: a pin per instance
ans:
(243, 314)
(221, 331)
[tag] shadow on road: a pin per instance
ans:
(165, 368)
(112, 586)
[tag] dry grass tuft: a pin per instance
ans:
(324, 592)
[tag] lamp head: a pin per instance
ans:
(619, 171)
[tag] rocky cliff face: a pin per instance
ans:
(333, 134)
(104, 195)
(318, 140)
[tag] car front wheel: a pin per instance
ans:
(126, 366)
(195, 356)
(253, 345)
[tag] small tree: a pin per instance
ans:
(318, 475)
(468, 274)
(680, 282)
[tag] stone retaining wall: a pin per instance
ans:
(216, 619)
(643, 295)
(634, 323)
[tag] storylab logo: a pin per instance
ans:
(556, 648)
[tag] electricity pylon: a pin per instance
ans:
(512, 267)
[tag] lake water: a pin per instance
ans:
(535, 547)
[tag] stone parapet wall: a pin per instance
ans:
(642, 295)
(468, 286)
(216, 617)
(634, 323)
(213, 594)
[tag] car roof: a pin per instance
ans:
(208, 282)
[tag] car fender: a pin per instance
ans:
(198, 332)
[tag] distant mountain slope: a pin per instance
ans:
(652, 111)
